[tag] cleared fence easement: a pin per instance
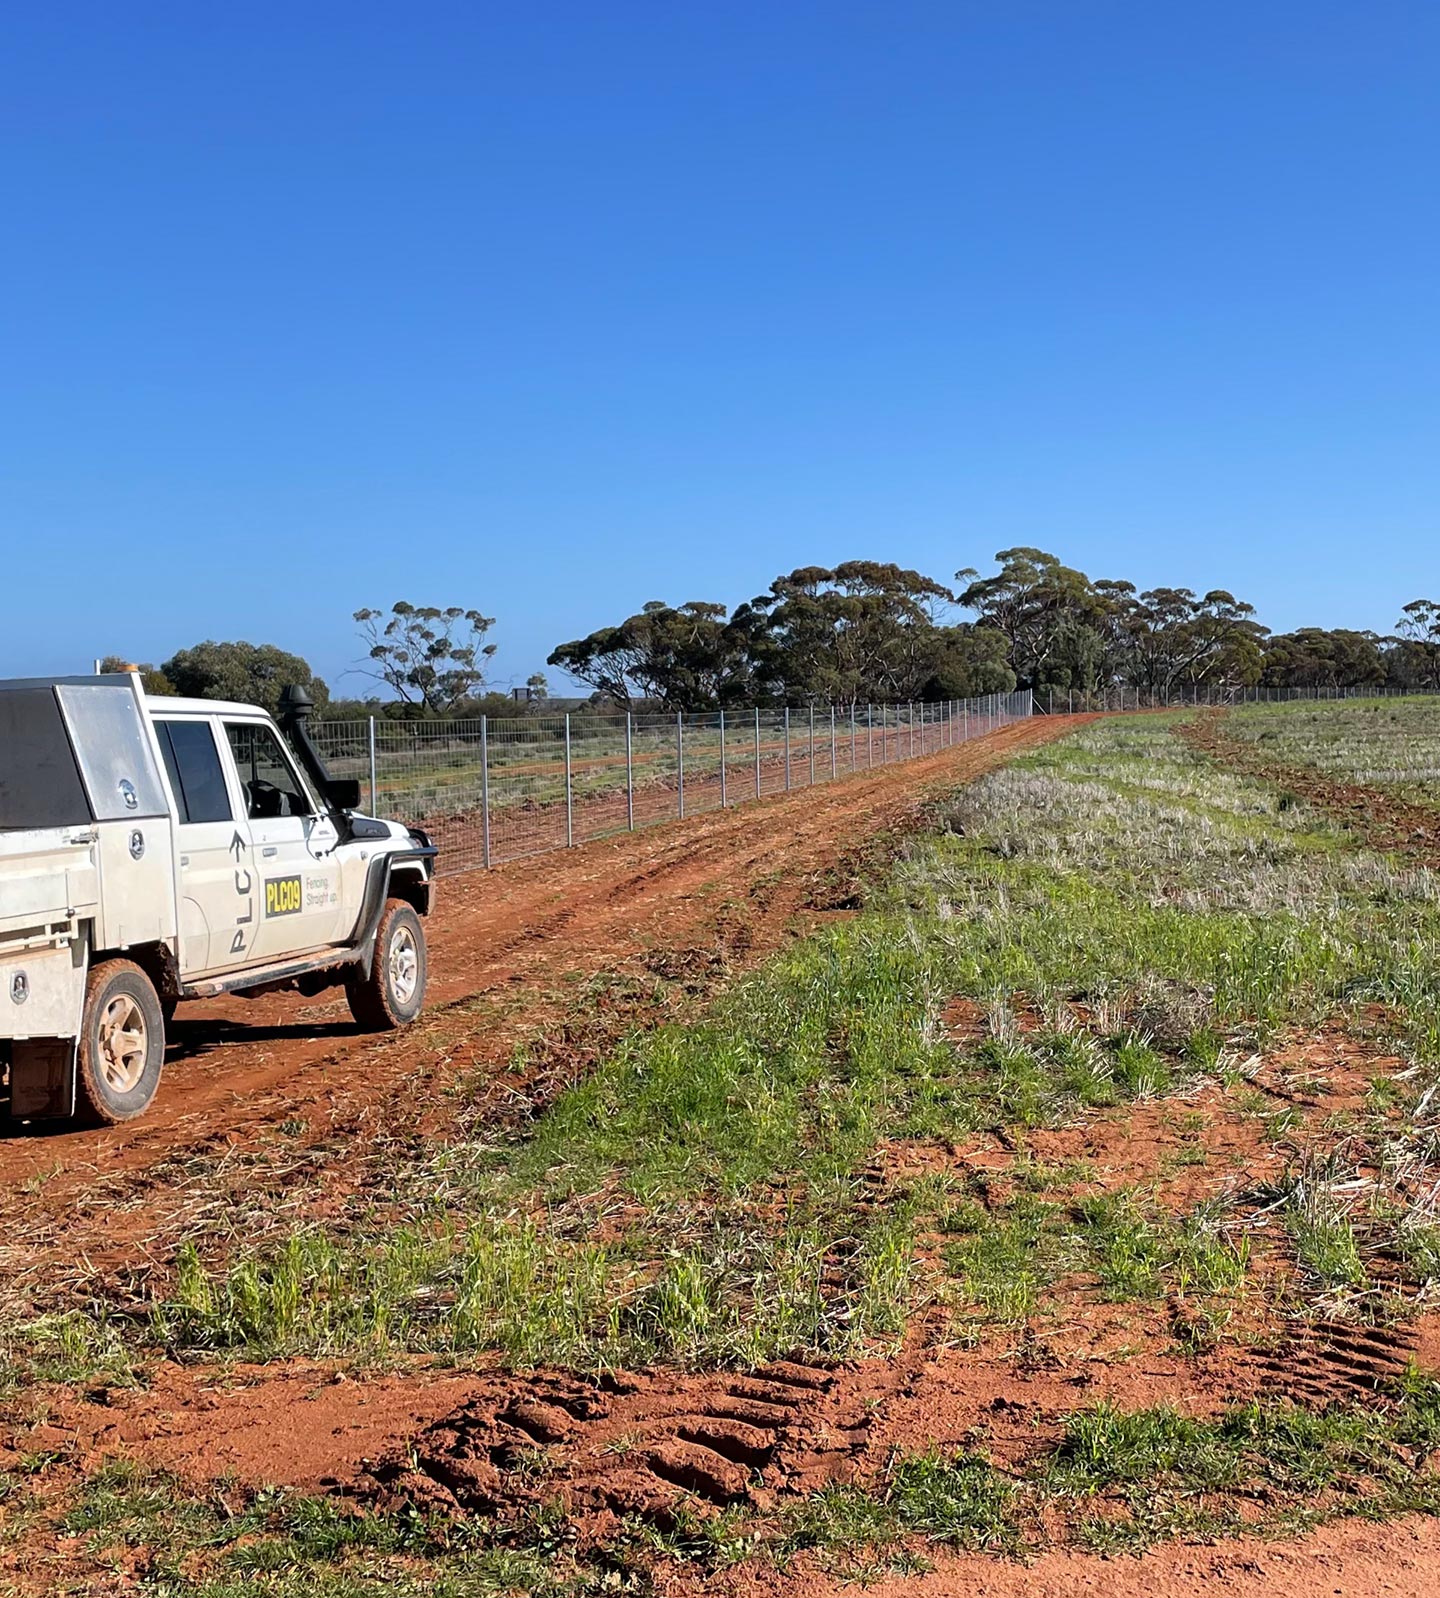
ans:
(489, 790)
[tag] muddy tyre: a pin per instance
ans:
(394, 992)
(122, 1045)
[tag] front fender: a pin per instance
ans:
(377, 891)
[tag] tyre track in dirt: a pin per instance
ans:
(658, 1445)
(282, 1093)
(1379, 819)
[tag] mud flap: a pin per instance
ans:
(42, 1079)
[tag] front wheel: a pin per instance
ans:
(393, 993)
(122, 1044)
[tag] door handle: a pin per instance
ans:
(269, 852)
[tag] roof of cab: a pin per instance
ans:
(166, 704)
(162, 703)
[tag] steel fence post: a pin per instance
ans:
(629, 770)
(680, 759)
(569, 791)
(812, 745)
(787, 749)
(722, 759)
(884, 735)
(485, 786)
(374, 792)
(834, 771)
(869, 736)
(854, 741)
(757, 751)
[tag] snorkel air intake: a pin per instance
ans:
(341, 794)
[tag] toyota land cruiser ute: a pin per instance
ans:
(154, 851)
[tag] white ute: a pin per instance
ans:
(158, 850)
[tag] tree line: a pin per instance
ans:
(862, 632)
(869, 631)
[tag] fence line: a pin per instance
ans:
(1116, 697)
(494, 789)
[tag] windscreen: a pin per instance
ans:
(39, 783)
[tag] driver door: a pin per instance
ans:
(298, 903)
(216, 886)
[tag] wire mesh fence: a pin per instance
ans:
(1120, 696)
(490, 789)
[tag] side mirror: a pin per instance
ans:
(343, 793)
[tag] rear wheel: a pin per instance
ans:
(122, 1044)
(393, 994)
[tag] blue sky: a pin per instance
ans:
(551, 309)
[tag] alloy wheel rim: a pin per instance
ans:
(124, 1043)
(404, 965)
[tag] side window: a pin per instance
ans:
(192, 763)
(271, 787)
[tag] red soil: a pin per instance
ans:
(1350, 1559)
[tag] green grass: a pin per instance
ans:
(959, 1499)
(1008, 1258)
(690, 1199)
(1122, 1480)
(277, 1544)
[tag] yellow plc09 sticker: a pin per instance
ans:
(282, 896)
